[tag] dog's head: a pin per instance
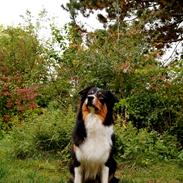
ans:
(97, 101)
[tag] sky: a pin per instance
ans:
(10, 10)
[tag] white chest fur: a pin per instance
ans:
(95, 150)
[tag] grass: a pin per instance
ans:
(51, 170)
(33, 171)
(42, 169)
(162, 172)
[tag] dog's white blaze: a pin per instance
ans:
(95, 150)
(94, 99)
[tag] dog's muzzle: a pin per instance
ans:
(90, 100)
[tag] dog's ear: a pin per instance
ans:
(84, 92)
(112, 97)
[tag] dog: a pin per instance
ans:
(93, 138)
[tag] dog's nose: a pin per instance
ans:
(90, 100)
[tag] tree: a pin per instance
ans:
(160, 20)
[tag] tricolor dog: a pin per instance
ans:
(93, 138)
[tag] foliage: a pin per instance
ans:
(155, 101)
(159, 20)
(42, 134)
(103, 61)
(143, 147)
(21, 71)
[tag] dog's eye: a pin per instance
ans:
(100, 95)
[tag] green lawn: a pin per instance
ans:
(55, 171)
(30, 171)
(169, 172)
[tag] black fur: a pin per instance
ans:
(79, 133)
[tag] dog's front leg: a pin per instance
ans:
(77, 175)
(105, 174)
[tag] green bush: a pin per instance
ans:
(47, 133)
(157, 111)
(144, 147)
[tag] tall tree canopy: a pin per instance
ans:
(160, 20)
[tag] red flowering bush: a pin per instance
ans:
(22, 67)
(15, 101)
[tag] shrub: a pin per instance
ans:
(157, 111)
(22, 67)
(144, 147)
(47, 133)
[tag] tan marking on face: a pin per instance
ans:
(85, 111)
(97, 104)
(102, 112)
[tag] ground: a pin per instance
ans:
(49, 170)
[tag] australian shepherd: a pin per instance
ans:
(93, 138)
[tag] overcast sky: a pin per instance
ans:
(10, 10)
